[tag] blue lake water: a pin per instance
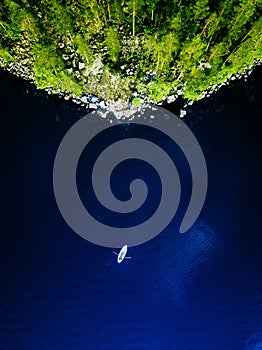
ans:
(198, 291)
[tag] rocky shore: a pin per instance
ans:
(121, 107)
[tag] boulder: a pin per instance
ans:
(81, 65)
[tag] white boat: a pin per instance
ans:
(122, 254)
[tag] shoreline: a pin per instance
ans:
(88, 103)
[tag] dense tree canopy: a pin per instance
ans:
(118, 49)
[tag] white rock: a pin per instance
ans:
(182, 113)
(81, 65)
(102, 104)
(103, 115)
(94, 99)
(77, 101)
(84, 99)
(171, 98)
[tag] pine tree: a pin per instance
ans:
(164, 43)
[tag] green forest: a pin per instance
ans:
(126, 50)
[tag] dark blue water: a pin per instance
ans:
(197, 291)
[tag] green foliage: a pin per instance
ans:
(48, 64)
(136, 101)
(200, 10)
(191, 54)
(134, 7)
(158, 89)
(243, 14)
(5, 56)
(112, 43)
(161, 51)
(50, 70)
(83, 48)
(241, 57)
(112, 47)
(15, 21)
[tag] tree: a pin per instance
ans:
(141, 45)
(112, 43)
(133, 8)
